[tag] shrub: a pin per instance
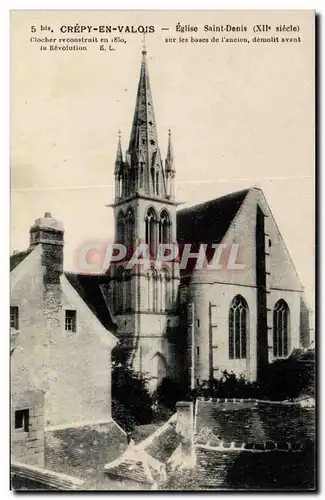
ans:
(284, 379)
(132, 403)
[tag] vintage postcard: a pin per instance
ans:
(162, 250)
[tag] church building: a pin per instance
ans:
(188, 322)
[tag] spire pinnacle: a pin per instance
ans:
(170, 153)
(119, 154)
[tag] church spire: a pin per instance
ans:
(143, 145)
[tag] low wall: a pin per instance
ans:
(27, 477)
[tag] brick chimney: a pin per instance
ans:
(48, 232)
(185, 429)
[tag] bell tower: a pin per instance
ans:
(143, 298)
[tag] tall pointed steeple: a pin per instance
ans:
(143, 140)
(143, 156)
(144, 213)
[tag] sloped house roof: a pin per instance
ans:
(91, 288)
(249, 444)
(145, 462)
(18, 257)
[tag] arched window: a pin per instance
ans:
(238, 326)
(120, 228)
(129, 228)
(280, 329)
(141, 177)
(155, 289)
(165, 290)
(164, 227)
(151, 231)
(157, 183)
(161, 367)
(149, 290)
(153, 179)
(152, 287)
(125, 183)
(119, 185)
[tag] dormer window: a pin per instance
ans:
(14, 317)
(70, 320)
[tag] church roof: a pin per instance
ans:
(91, 289)
(209, 221)
(17, 258)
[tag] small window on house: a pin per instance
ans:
(22, 420)
(198, 323)
(198, 351)
(14, 317)
(270, 243)
(71, 320)
(197, 381)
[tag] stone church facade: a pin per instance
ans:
(193, 323)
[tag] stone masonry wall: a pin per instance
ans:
(28, 447)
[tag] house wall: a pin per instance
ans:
(28, 447)
(73, 369)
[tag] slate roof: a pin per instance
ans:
(90, 287)
(267, 460)
(161, 445)
(17, 258)
(235, 470)
(256, 422)
(131, 468)
(209, 221)
(83, 451)
(145, 461)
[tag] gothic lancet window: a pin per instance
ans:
(164, 284)
(155, 289)
(164, 227)
(238, 326)
(157, 183)
(129, 229)
(141, 177)
(121, 228)
(151, 231)
(153, 179)
(152, 289)
(280, 329)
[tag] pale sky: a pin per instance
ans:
(240, 114)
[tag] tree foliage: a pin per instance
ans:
(284, 379)
(132, 403)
